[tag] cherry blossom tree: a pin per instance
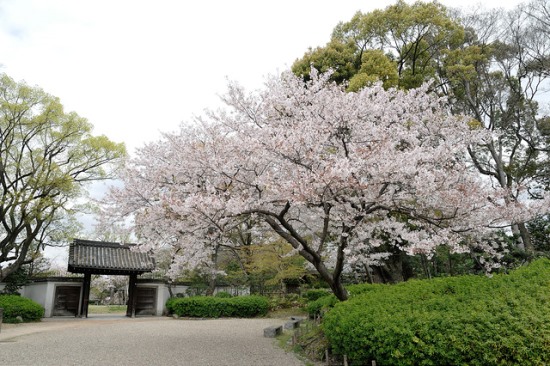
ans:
(333, 173)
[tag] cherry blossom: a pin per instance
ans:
(331, 172)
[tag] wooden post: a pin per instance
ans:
(132, 296)
(83, 311)
(345, 360)
(327, 357)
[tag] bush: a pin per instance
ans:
(223, 294)
(215, 307)
(15, 305)
(473, 320)
(286, 301)
(321, 305)
(314, 294)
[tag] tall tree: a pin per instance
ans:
(322, 169)
(341, 57)
(492, 66)
(46, 155)
(497, 77)
(413, 38)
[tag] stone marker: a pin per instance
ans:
(272, 332)
(293, 324)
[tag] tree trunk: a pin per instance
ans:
(526, 238)
(211, 285)
(369, 273)
(335, 282)
(338, 289)
(517, 233)
(212, 280)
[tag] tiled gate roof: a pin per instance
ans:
(97, 257)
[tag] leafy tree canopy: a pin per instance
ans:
(491, 65)
(46, 157)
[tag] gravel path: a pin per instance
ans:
(104, 340)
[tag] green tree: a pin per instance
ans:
(46, 157)
(273, 264)
(413, 39)
(496, 77)
(15, 281)
(336, 55)
(416, 35)
(375, 66)
(491, 65)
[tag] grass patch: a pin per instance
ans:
(310, 342)
(286, 313)
(107, 309)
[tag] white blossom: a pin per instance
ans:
(328, 170)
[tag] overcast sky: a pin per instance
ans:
(134, 68)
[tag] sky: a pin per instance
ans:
(137, 68)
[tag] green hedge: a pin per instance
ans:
(321, 305)
(315, 294)
(469, 320)
(15, 305)
(223, 294)
(215, 307)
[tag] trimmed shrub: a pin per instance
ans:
(15, 305)
(223, 294)
(468, 320)
(215, 307)
(326, 302)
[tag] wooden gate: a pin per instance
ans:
(66, 300)
(146, 300)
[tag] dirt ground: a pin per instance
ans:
(117, 340)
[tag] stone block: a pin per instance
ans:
(272, 332)
(292, 324)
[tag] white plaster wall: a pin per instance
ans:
(50, 298)
(160, 287)
(44, 293)
(177, 289)
(163, 294)
(235, 291)
(38, 292)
